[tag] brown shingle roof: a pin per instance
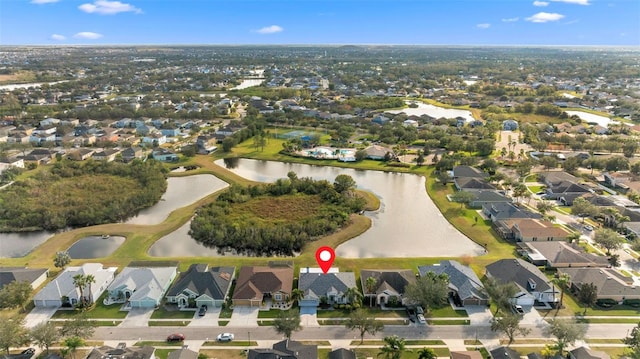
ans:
(254, 281)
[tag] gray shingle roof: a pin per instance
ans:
(19, 274)
(388, 279)
(462, 279)
(199, 279)
(519, 272)
(318, 284)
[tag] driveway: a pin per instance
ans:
(244, 317)
(210, 318)
(479, 315)
(137, 317)
(38, 315)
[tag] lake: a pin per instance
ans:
(179, 244)
(95, 247)
(248, 83)
(14, 245)
(435, 112)
(589, 117)
(181, 192)
(11, 87)
(408, 224)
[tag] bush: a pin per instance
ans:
(632, 302)
(606, 303)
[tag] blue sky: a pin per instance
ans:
(412, 22)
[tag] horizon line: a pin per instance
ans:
(316, 44)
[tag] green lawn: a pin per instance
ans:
(99, 311)
(407, 342)
(163, 353)
(223, 323)
(535, 189)
(162, 313)
(447, 312)
(235, 343)
(373, 312)
(168, 323)
(412, 353)
(272, 313)
(448, 322)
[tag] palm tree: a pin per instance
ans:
(79, 281)
(353, 296)
(562, 281)
(371, 283)
(426, 353)
(296, 295)
(393, 347)
(90, 279)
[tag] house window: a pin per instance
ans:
(534, 239)
(277, 297)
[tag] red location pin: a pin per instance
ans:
(325, 257)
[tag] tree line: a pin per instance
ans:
(221, 224)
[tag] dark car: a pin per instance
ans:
(176, 337)
(202, 310)
(28, 351)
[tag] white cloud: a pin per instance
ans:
(270, 29)
(87, 35)
(577, 2)
(43, 1)
(483, 26)
(105, 7)
(58, 37)
(540, 3)
(545, 17)
(512, 19)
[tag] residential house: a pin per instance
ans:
(39, 156)
(183, 353)
(632, 228)
(376, 152)
(108, 155)
(155, 139)
(465, 354)
(258, 284)
(618, 180)
(61, 290)
(122, 352)
(566, 191)
(227, 131)
(6, 163)
(530, 230)
(465, 288)
(286, 349)
(81, 154)
(200, 286)
(468, 172)
(586, 353)
(164, 155)
(390, 285)
(486, 197)
(143, 130)
(33, 276)
(470, 184)
(141, 287)
(560, 255)
(170, 132)
(342, 353)
(503, 211)
(330, 288)
(18, 137)
(533, 285)
(380, 120)
(609, 282)
(504, 353)
(132, 153)
(551, 178)
(39, 139)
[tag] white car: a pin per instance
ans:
(421, 319)
(224, 337)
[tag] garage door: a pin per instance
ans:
(308, 310)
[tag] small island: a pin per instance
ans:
(277, 218)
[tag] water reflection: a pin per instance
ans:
(95, 246)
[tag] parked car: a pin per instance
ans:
(588, 228)
(421, 319)
(412, 314)
(225, 337)
(175, 337)
(28, 351)
(518, 309)
(202, 310)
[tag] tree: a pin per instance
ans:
(44, 334)
(462, 197)
(15, 294)
(427, 353)
(500, 294)
(633, 341)
(12, 333)
(583, 208)
(343, 183)
(73, 343)
(296, 295)
(544, 206)
(359, 320)
(354, 297)
(80, 282)
(588, 295)
(287, 322)
(393, 347)
(574, 237)
(420, 159)
(510, 326)
(371, 284)
(608, 239)
(62, 259)
(566, 333)
(78, 326)
(562, 280)
(614, 260)
(443, 177)
(430, 290)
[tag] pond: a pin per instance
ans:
(592, 118)
(95, 246)
(15, 245)
(181, 192)
(408, 224)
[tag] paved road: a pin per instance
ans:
(615, 331)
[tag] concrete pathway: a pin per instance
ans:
(244, 317)
(210, 318)
(137, 317)
(309, 320)
(38, 315)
